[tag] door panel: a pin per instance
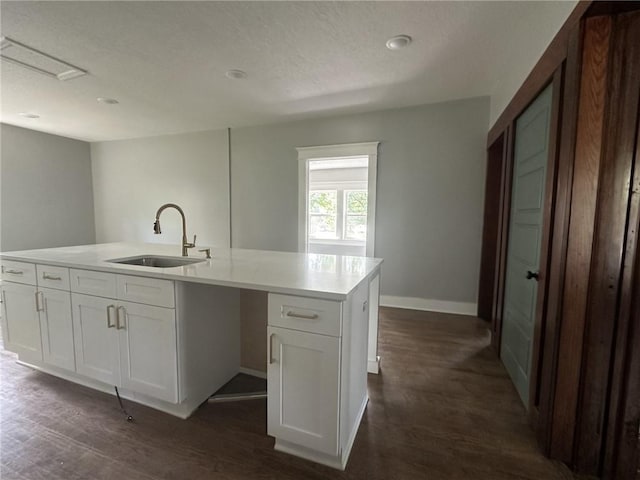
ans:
(57, 329)
(302, 380)
(20, 321)
(96, 343)
(148, 350)
(531, 152)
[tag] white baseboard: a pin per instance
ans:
(442, 306)
(252, 372)
(373, 366)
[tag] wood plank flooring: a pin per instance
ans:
(442, 408)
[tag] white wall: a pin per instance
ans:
(548, 18)
(133, 178)
(45, 190)
(431, 170)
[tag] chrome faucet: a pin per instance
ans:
(156, 227)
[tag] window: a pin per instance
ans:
(338, 215)
(337, 199)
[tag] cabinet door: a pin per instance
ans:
(95, 338)
(20, 321)
(57, 329)
(302, 383)
(148, 355)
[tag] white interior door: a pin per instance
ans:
(531, 152)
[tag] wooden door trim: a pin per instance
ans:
(503, 237)
(589, 140)
(559, 237)
(491, 229)
(610, 238)
(544, 69)
(624, 399)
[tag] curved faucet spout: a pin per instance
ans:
(156, 227)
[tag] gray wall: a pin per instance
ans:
(132, 178)
(431, 166)
(45, 190)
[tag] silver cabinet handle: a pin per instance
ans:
(313, 316)
(46, 276)
(12, 271)
(121, 325)
(271, 348)
(39, 306)
(109, 324)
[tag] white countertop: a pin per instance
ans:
(308, 274)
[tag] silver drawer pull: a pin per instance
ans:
(14, 272)
(313, 316)
(39, 307)
(109, 308)
(271, 348)
(119, 325)
(46, 276)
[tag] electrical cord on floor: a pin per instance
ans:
(129, 417)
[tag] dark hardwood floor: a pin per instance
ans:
(442, 408)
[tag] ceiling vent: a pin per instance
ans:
(37, 61)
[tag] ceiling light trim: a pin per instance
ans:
(68, 72)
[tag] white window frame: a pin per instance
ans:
(327, 152)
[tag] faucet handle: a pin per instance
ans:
(194, 240)
(207, 252)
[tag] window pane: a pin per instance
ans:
(323, 201)
(357, 201)
(322, 226)
(356, 227)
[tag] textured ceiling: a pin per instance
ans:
(166, 61)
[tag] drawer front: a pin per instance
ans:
(53, 277)
(305, 314)
(93, 283)
(19, 272)
(150, 291)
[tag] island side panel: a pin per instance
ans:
(373, 363)
(208, 338)
(253, 331)
(353, 389)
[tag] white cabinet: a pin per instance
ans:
(21, 322)
(303, 389)
(56, 327)
(37, 322)
(95, 338)
(127, 344)
(316, 374)
(148, 356)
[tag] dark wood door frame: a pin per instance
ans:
(491, 230)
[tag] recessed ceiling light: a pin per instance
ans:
(108, 101)
(29, 115)
(236, 74)
(398, 42)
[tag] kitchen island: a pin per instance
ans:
(170, 337)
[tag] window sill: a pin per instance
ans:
(343, 243)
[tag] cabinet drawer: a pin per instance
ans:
(93, 283)
(53, 277)
(305, 314)
(19, 272)
(150, 291)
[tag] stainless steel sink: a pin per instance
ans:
(157, 261)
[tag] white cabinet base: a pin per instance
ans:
(182, 410)
(335, 461)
